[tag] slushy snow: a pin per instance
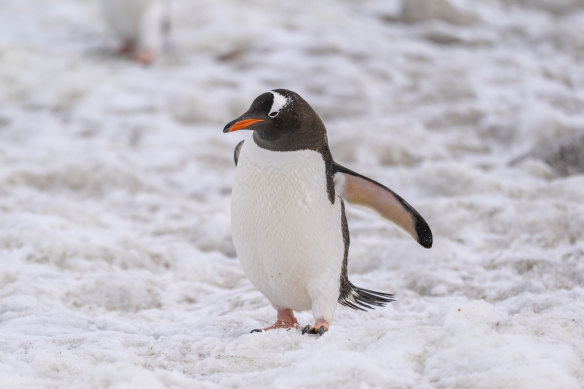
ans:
(117, 268)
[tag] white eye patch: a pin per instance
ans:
(280, 102)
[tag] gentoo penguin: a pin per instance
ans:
(288, 214)
(139, 24)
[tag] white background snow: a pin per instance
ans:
(117, 268)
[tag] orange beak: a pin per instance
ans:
(241, 125)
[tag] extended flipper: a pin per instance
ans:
(360, 190)
(236, 152)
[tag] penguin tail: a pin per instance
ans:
(363, 299)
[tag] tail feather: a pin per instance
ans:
(363, 299)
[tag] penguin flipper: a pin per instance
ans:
(236, 152)
(360, 190)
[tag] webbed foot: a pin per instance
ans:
(285, 319)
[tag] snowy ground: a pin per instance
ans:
(117, 268)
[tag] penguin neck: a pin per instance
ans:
(292, 142)
(320, 147)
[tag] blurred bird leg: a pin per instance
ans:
(144, 56)
(126, 48)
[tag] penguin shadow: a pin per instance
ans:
(108, 54)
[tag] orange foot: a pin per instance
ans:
(285, 319)
(320, 327)
(144, 56)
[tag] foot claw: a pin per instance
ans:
(308, 329)
(319, 327)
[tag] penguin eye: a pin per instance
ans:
(273, 114)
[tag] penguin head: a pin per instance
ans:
(282, 121)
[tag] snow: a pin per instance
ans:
(117, 268)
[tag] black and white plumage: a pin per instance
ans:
(288, 214)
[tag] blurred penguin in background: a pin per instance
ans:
(141, 25)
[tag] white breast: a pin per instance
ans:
(286, 231)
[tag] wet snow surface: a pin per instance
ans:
(117, 268)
